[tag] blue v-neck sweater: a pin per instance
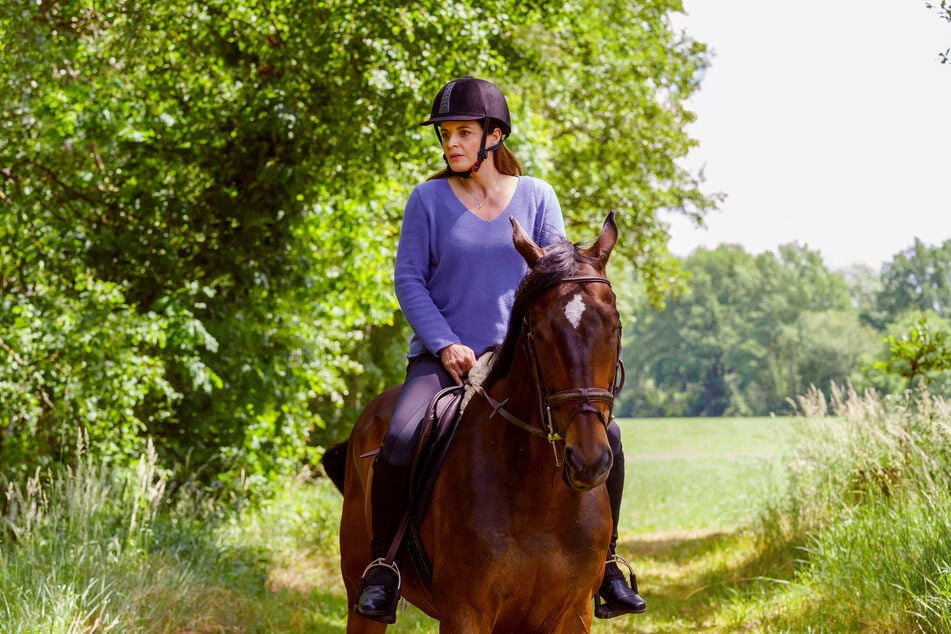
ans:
(456, 274)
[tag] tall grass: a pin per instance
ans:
(61, 533)
(94, 548)
(869, 505)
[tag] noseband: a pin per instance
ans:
(584, 397)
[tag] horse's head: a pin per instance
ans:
(572, 335)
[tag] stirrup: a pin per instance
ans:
(386, 612)
(617, 559)
(383, 563)
(601, 610)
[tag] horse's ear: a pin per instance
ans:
(601, 249)
(525, 245)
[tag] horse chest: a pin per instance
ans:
(503, 534)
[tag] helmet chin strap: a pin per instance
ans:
(483, 152)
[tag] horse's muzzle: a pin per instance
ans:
(585, 471)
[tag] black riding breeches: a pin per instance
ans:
(425, 376)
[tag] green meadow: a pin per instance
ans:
(837, 520)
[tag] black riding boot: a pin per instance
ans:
(615, 597)
(379, 589)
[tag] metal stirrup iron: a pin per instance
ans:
(617, 559)
(382, 563)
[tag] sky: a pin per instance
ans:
(826, 123)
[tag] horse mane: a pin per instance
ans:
(560, 261)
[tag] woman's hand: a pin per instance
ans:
(458, 360)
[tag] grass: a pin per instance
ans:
(818, 523)
(699, 474)
(691, 487)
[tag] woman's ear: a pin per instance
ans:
(495, 136)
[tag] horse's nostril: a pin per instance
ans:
(594, 465)
(574, 460)
(607, 460)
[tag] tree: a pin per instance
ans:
(835, 345)
(199, 201)
(943, 9)
(865, 285)
(918, 278)
(919, 351)
(749, 333)
(607, 89)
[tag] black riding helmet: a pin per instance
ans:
(467, 99)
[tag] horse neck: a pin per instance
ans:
(520, 450)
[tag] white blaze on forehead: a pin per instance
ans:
(574, 309)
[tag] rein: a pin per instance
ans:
(584, 397)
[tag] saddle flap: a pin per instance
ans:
(436, 430)
(439, 424)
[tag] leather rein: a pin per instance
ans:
(584, 397)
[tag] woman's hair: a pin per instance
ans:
(503, 158)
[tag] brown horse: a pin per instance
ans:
(518, 525)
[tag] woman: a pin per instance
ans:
(456, 274)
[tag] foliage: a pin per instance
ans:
(912, 309)
(869, 498)
(943, 9)
(200, 202)
(865, 285)
(918, 278)
(749, 333)
(610, 130)
(101, 548)
(752, 332)
(920, 352)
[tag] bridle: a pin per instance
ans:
(584, 397)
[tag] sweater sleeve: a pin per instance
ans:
(549, 222)
(412, 274)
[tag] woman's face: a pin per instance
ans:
(461, 141)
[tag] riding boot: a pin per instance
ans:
(615, 597)
(379, 589)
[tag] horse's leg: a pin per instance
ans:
(365, 437)
(354, 556)
(576, 621)
(468, 622)
(357, 624)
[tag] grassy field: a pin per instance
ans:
(811, 524)
(700, 474)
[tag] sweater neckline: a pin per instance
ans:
(502, 213)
